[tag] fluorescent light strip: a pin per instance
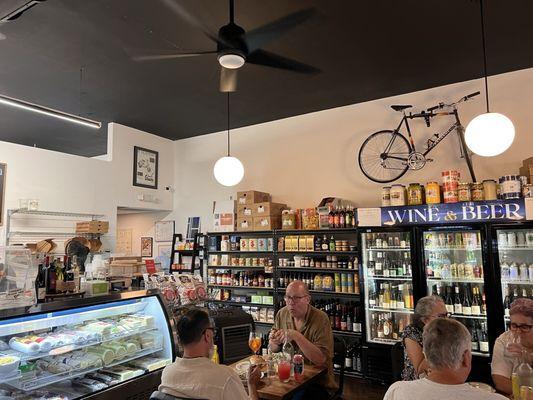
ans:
(25, 105)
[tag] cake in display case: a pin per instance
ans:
(84, 348)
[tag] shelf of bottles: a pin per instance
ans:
(240, 273)
(454, 272)
(515, 249)
(388, 285)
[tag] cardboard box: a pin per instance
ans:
(528, 172)
(245, 224)
(224, 216)
(244, 210)
(92, 227)
(267, 208)
(302, 245)
(267, 223)
(257, 299)
(310, 243)
(268, 300)
(251, 197)
(527, 162)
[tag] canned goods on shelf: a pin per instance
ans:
(477, 191)
(414, 194)
(450, 196)
(432, 193)
(490, 191)
(385, 196)
(527, 191)
(397, 195)
(450, 176)
(510, 187)
(464, 193)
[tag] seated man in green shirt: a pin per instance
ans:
(310, 332)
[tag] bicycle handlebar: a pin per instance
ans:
(442, 105)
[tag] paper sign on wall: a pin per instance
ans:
(369, 216)
(150, 266)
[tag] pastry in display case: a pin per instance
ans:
(80, 348)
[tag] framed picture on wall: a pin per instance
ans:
(145, 166)
(164, 231)
(3, 168)
(147, 244)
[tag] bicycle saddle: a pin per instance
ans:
(398, 107)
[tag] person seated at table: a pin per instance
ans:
(309, 331)
(194, 375)
(511, 343)
(414, 363)
(446, 344)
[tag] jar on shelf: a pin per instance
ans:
(414, 194)
(527, 191)
(477, 191)
(464, 193)
(432, 193)
(385, 196)
(490, 191)
(397, 195)
(510, 187)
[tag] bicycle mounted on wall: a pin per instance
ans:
(386, 155)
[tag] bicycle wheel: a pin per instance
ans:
(378, 166)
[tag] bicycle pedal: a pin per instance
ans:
(429, 160)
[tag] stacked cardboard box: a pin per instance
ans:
(255, 212)
(527, 169)
(125, 266)
(92, 227)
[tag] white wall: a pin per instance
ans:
(302, 159)
(142, 225)
(69, 183)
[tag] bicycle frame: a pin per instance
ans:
(431, 143)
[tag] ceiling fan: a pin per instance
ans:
(236, 47)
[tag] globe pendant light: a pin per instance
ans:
(228, 170)
(488, 134)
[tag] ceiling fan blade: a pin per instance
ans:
(228, 80)
(169, 56)
(183, 13)
(258, 37)
(268, 59)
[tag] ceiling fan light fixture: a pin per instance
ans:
(231, 60)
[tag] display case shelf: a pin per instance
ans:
(347, 333)
(456, 280)
(394, 249)
(462, 316)
(391, 310)
(384, 341)
(521, 248)
(69, 348)
(240, 303)
(479, 354)
(389, 278)
(240, 287)
(476, 248)
(255, 268)
(41, 381)
(313, 269)
(327, 293)
(241, 252)
(318, 253)
(513, 282)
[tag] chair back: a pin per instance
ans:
(397, 361)
(339, 357)
(157, 395)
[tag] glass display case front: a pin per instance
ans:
(515, 249)
(454, 271)
(73, 352)
(388, 282)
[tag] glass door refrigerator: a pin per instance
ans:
(513, 259)
(388, 283)
(455, 263)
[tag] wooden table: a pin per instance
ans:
(277, 390)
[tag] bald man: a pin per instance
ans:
(310, 332)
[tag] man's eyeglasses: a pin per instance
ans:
(443, 315)
(293, 299)
(523, 327)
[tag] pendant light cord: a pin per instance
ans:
(484, 54)
(228, 124)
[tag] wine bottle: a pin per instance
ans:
(476, 307)
(467, 304)
(399, 298)
(448, 300)
(474, 339)
(457, 303)
(483, 339)
(348, 360)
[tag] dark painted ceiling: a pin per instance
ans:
(366, 49)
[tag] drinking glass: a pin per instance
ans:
(513, 348)
(254, 342)
(284, 370)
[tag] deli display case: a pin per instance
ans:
(113, 346)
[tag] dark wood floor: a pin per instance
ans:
(359, 389)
